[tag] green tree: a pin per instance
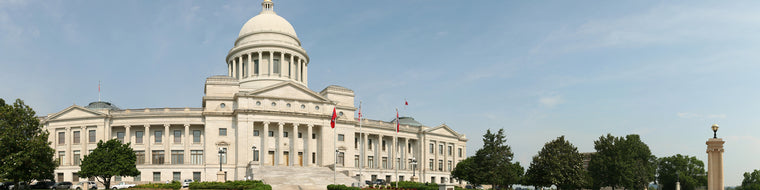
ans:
(751, 181)
(25, 154)
(558, 163)
(111, 158)
(690, 171)
(467, 170)
(622, 162)
(494, 161)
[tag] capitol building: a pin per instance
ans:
(268, 122)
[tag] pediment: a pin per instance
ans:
(288, 90)
(443, 130)
(75, 112)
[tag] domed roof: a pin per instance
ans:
(267, 23)
(102, 105)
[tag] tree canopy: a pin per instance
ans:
(492, 164)
(558, 163)
(622, 162)
(751, 181)
(111, 158)
(690, 171)
(26, 154)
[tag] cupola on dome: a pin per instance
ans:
(267, 22)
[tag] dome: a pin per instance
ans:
(102, 105)
(267, 22)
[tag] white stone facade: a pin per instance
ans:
(263, 101)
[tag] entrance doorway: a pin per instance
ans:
(271, 157)
(300, 158)
(286, 155)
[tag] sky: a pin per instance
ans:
(666, 70)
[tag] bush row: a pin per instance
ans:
(231, 185)
(172, 185)
(341, 187)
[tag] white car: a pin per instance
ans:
(122, 185)
(186, 182)
(80, 185)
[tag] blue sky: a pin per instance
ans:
(666, 70)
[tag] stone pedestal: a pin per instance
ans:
(414, 178)
(221, 176)
(678, 185)
(445, 186)
(715, 164)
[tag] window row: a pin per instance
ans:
(440, 150)
(139, 135)
(285, 134)
(369, 144)
(158, 157)
(440, 165)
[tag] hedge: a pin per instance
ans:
(231, 185)
(172, 185)
(341, 187)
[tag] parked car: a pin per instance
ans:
(62, 185)
(80, 185)
(4, 185)
(43, 185)
(122, 185)
(186, 182)
(379, 182)
(21, 185)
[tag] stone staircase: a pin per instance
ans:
(299, 178)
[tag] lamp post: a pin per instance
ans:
(221, 152)
(414, 167)
(253, 149)
(715, 130)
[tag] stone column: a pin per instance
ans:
(85, 141)
(126, 133)
(264, 150)
(69, 138)
(378, 152)
(250, 65)
(282, 63)
(406, 154)
(234, 68)
(393, 153)
(308, 144)
(167, 145)
(278, 150)
(187, 141)
(300, 72)
(291, 68)
(229, 68)
(147, 143)
(715, 164)
(293, 145)
(271, 66)
(240, 66)
(305, 73)
(363, 150)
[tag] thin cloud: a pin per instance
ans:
(551, 101)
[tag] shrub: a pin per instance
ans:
(231, 185)
(341, 187)
(172, 185)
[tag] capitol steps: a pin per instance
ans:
(299, 178)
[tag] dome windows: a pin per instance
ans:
(258, 103)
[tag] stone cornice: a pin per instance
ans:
(268, 46)
(218, 98)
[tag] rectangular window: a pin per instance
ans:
(340, 137)
(140, 154)
(460, 152)
(356, 143)
(313, 158)
(371, 161)
(196, 136)
(156, 176)
(120, 136)
(77, 158)
(440, 165)
(341, 159)
(138, 177)
(285, 134)
(256, 67)
(158, 135)
(196, 156)
(385, 162)
(432, 148)
(91, 135)
(222, 131)
(178, 156)
(448, 166)
(451, 151)
(410, 148)
(370, 144)
(158, 157)
(61, 137)
(76, 137)
(138, 137)
(61, 157)
(299, 135)
(117, 178)
(440, 149)
(313, 136)
(176, 176)
(431, 165)
(271, 134)
(255, 133)
(256, 155)
(74, 177)
(197, 176)
(60, 177)
(276, 66)
(177, 136)
(356, 161)
(383, 145)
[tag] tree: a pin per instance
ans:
(622, 162)
(494, 161)
(690, 171)
(108, 159)
(558, 163)
(26, 154)
(751, 181)
(467, 170)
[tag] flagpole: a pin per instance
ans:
(394, 147)
(361, 134)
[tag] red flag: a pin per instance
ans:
(360, 112)
(332, 121)
(397, 121)
(406, 103)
